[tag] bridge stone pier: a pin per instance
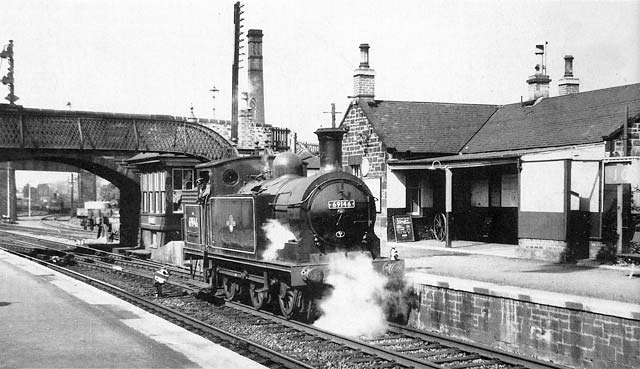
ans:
(8, 192)
(99, 143)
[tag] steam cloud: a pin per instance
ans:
(277, 234)
(353, 308)
(362, 300)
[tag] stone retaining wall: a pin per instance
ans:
(565, 335)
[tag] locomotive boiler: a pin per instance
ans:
(246, 205)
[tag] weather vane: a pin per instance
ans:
(7, 53)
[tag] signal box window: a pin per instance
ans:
(153, 192)
(182, 180)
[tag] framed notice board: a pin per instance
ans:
(403, 228)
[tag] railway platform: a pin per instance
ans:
(50, 320)
(496, 268)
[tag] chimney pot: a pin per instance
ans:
(364, 55)
(364, 77)
(568, 66)
(568, 84)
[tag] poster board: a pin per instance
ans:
(403, 228)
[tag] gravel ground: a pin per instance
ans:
(593, 282)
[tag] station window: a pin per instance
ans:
(413, 194)
(355, 170)
(153, 192)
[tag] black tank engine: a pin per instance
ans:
(266, 231)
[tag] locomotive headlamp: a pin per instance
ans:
(317, 243)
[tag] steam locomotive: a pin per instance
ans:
(331, 212)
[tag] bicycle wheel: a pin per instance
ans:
(440, 227)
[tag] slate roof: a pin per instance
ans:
(573, 119)
(426, 127)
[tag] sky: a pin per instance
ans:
(162, 57)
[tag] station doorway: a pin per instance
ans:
(484, 202)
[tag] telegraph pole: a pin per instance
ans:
(7, 53)
(71, 182)
(29, 189)
(237, 20)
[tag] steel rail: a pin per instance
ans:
(350, 342)
(491, 353)
(172, 314)
(484, 351)
(123, 258)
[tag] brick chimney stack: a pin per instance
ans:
(568, 84)
(539, 82)
(256, 81)
(364, 77)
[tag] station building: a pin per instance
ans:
(544, 175)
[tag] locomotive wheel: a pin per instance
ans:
(258, 299)
(288, 299)
(230, 288)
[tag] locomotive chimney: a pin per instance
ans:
(330, 148)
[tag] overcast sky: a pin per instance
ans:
(161, 56)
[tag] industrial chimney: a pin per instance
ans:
(364, 77)
(256, 81)
(568, 84)
(330, 148)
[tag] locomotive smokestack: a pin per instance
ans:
(330, 148)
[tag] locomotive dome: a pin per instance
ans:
(287, 163)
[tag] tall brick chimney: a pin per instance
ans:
(256, 81)
(568, 84)
(364, 77)
(539, 82)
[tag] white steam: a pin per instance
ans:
(355, 306)
(277, 234)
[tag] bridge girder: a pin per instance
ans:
(109, 133)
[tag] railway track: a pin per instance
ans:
(50, 229)
(272, 339)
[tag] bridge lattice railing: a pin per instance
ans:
(125, 133)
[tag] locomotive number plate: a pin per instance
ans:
(342, 204)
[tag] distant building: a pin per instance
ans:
(35, 195)
(44, 190)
